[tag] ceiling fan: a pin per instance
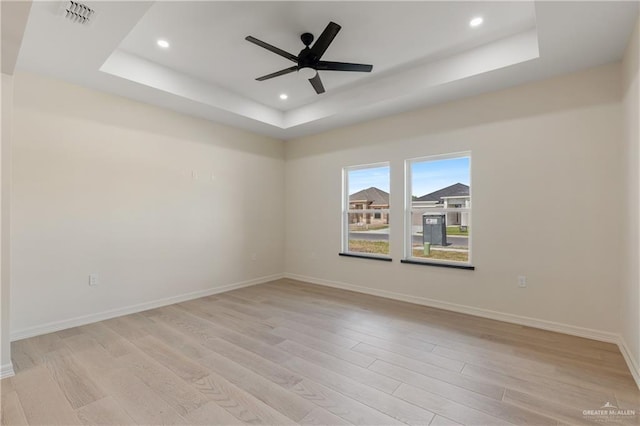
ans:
(308, 61)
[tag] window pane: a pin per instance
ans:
(368, 190)
(368, 237)
(437, 186)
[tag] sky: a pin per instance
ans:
(427, 176)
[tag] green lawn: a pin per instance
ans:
(382, 247)
(456, 256)
(455, 230)
(363, 246)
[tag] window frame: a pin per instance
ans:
(409, 210)
(346, 211)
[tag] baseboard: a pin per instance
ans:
(470, 310)
(132, 309)
(6, 370)
(573, 330)
(631, 361)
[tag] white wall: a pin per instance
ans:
(547, 193)
(106, 185)
(5, 259)
(631, 279)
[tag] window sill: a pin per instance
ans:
(438, 264)
(364, 256)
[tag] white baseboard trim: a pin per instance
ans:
(132, 309)
(631, 361)
(573, 330)
(470, 310)
(6, 370)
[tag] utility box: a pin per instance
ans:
(434, 228)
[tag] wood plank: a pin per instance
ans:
(267, 369)
(211, 414)
(445, 407)
(497, 408)
(286, 402)
(361, 375)
(105, 411)
(63, 334)
(139, 401)
(6, 385)
(316, 394)
(548, 408)
(180, 395)
(443, 421)
(568, 394)
(378, 400)
(74, 381)
(11, 412)
(318, 417)
(111, 341)
(29, 353)
(427, 357)
(207, 333)
(346, 408)
(536, 371)
(42, 400)
(483, 388)
(238, 402)
(327, 336)
(176, 340)
(182, 366)
(92, 355)
(247, 327)
(231, 303)
(348, 334)
(329, 348)
(130, 327)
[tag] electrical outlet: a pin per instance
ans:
(522, 281)
(93, 280)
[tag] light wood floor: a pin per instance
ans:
(293, 353)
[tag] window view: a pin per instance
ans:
(366, 212)
(439, 208)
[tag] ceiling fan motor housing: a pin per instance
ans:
(307, 39)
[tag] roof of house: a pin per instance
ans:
(455, 190)
(373, 195)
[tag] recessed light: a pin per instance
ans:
(163, 43)
(476, 22)
(283, 96)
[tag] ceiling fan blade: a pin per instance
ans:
(278, 73)
(342, 66)
(317, 84)
(322, 43)
(273, 49)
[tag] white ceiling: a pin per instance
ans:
(423, 53)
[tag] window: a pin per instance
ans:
(365, 218)
(438, 210)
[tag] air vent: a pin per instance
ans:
(78, 12)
